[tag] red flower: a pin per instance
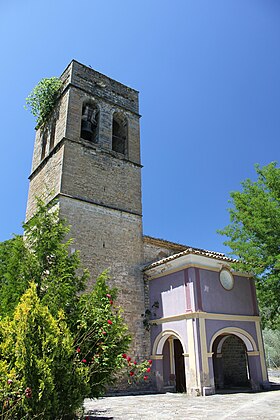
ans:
(110, 322)
(148, 370)
(28, 392)
(135, 362)
(131, 373)
(104, 332)
(111, 302)
(84, 360)
(145, 377)
(124, 356)
(150, 362)
(108, 296)
(78, 350)
(128, 358)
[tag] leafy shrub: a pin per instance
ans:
(42, 99)
(101, 336)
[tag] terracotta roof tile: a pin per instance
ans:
(189, 250)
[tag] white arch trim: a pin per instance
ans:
(242, 334)
(161, 339)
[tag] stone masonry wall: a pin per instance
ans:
(111, 240)
(91, 174)
(234, 362)
(45, 182)
(104, 87)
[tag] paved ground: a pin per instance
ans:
(245, 406)
(264, 405)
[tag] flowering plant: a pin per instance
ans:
(101, 337)
(137, 371)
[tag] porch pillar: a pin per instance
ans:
(158, 370)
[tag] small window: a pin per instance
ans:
(52, 134)
(44, 144)
(119, 134)
(90, 123)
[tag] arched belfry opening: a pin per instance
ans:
(230, 362)
(90, 122)
(119, 133)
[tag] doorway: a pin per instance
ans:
(179, 366)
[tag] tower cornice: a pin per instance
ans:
(85, 144)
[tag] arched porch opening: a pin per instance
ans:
(230, 362)
(172, 368)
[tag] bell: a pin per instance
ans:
(86, 130)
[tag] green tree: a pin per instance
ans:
(43, 257)
(43, 379)
(59, 343)
(254, 236)
(50, 264)
(13, 273)
(271, 340)
(46, 369)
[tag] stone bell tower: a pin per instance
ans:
(88, 159)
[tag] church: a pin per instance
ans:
(186, 309)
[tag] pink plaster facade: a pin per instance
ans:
(188, 303)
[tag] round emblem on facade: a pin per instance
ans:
(226, 279)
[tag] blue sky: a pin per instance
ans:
(208, 73)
